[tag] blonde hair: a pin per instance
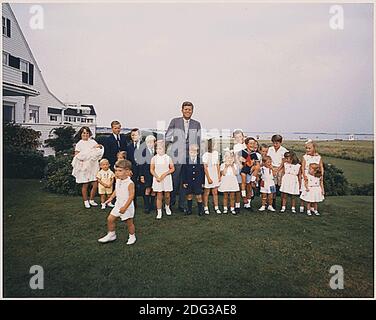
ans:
(150, 138)
(313, 144)
(316, 169)
(122, 153)
(103, 161)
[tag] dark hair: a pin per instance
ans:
(79, 133)
(292, 155)
(187, 104)
(135, 129)
(123, 164)
(210, 145)
(115, 123)
(124, 153)
(246, 141)
(277, 138)
(264, 146)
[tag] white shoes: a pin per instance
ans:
(247, 205)
(111, 205)
(301, 209)
(316, 213)
(103, 206)
(87, 204)
(206, 212)
(283, 209)
(159, 215)
(109, 237)
(131, 239)
(244, 194)
(309, 213)
(225, 210)
(93, 203)
(293, 210)
(270, 208)
(262, 208)
(168, 211)
(218, 211)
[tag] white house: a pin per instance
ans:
(26, 98)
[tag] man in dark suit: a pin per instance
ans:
(114, 143)
(133, 153)
(181, 133)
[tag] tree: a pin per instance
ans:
(64, 139)
(19, 137)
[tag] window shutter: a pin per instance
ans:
(25, 77)
(14, 61)
(8, 28)
(31, 74)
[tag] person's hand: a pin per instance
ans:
(210, 181)
(131, 173)
(220, 178)
(108, 201)
(323, 192)
(185, 186)
(99, 146)
(158, 178)
(241, 159)
(122, 210)
(142, 179)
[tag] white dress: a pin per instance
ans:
(315, 193)
(229, 183)
(86, 163)
(290, 181)
(211, 160)
(122, 196)
(162, 165)
(308, 160)
(267, 180)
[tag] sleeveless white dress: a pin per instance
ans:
(211, 160)
(122, 196)
(229, 183)
(309, 159)
(315, 192)
(162, 165)
(290, 181)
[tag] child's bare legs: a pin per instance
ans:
(249, 191)
(84, 191)
(314, 206)
(103, 198)
(302, 205)
(159, 200)
(147, 191)
(167, 198)
(111, 223)
(131, 227)
(293, 201)
(264, 197)
(206, 197)
(93, 190)
(270, 198)
(215, 196)
(243, 187)
(225, 200)
(284, 199)
(232, 200)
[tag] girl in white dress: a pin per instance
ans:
(267, 185)
(86, 164)
(313, 189)
(290, 180)
(210, 159)
(229, 183)
(311, 156)
(239, 145)
(161, 168)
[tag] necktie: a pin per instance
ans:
(118, 141)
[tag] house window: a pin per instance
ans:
(83, 119)
(5, 58)
(27, 72)
(6, 27)
(34, 114)
(89, 120)
(8, 113)
(53, 118)
(66, 118)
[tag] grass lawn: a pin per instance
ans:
(250, 255)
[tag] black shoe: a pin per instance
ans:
(237, 210)
(181, 209)
(187, 212)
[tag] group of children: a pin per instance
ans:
(244, 171)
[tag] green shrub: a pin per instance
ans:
(335, 182)
(64, 139)
(16, 136)
(58, 175)
(23, 164)
(362, 189)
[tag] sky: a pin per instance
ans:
(259, 67)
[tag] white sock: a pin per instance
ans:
(284, 207)
(206, 208)
(159, 211)
(232, 208)
(249, 201)
(216, 208)
(167, 206)
(111, 233)
(237, 205)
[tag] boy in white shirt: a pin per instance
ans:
(276, 152)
